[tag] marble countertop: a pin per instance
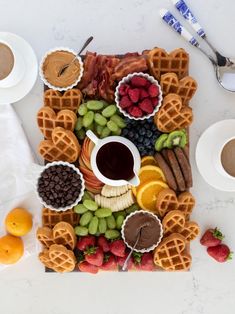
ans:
(118, 27)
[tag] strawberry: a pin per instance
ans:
(135, 112)
(134, 94)
(109, 262)
(221, 253)
(94, 255)
(147, 262)
(143, 93)
(125, 102)
(138, 81)
(121, 261)
(103, 243)
(146, 105)
(118, 248)
(87, 268)
(123, 89)
(212, 237)
(154, 101)
(153, 90)
(85, 242)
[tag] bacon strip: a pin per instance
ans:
(129, 65)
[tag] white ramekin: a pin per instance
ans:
(126, 79)
(146, 213)
(58, 163)
(41, 74)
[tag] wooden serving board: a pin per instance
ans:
(119, 269)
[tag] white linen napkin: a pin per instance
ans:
(15, 160)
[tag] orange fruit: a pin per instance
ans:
(147, 194)
(150, 173)
(18, 222)
(148, 160)
(11, 249)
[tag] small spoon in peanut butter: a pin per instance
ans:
(66, 66)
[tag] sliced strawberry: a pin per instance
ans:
(103, 243)
(87, 268)
(94, 255)
(85, 242)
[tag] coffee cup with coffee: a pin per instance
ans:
(12, 66)
(115, 160)
(224, 157)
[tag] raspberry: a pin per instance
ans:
(138, 81)
(153, 90)
(123, 89)
(143, 94)
(125, 102)
(135, 112)
(134, 94)
(154, 101)
(146, 105)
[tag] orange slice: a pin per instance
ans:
(147, 194)
(151, 173)
(148, 160)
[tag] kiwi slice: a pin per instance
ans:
(160, 142)
(176, 138)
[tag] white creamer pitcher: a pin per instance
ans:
(132, 148)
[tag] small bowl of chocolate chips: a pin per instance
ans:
(60, 186)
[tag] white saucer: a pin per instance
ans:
(205, 149)
(17, 92)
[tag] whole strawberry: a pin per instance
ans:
(87, 268)
(103, 243)
(118, 248)
(147, 262)
(85, 242)
(94, 255)
(212, 237)
(121, 261)
(109, 262)
(221, 253)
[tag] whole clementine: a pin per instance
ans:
(18, 222)
(11, 249)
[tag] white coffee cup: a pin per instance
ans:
(217, 157)
(18, 70)
(135, 153)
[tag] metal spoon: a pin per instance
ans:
(223, 66)
(124, 267)
(66, 66)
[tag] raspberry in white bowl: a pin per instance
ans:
(138, 96)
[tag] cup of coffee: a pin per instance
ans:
(115, 160)
(224, 157)
(12, 66)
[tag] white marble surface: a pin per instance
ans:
(120, 26)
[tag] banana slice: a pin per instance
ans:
(114, 191)
(116, 203)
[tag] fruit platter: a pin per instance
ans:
(115, 188)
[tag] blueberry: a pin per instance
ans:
(149, 133)
(142, 131)
(131, 134)
(147, 126)
(146, 142)
(125, 132)
(136, 136)
(142, 122)
(141, 148)
(141, 138)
